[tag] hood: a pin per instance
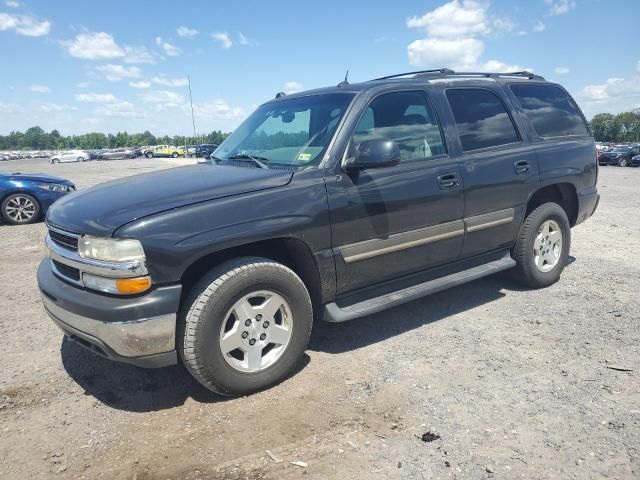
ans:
(102, 209)
(39, 177)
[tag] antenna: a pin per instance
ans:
(345, 82)
(193, 120)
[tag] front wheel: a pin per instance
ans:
(149, 154)
(542, 247)
(623, 162)
(245, 326)
(80, 159)
(174, 155)
(20, 209)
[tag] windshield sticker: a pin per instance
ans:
(304, 157)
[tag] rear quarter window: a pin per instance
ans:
(550, 110)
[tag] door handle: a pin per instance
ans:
(521, 166)
(448, 181)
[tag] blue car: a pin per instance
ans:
(27, 196)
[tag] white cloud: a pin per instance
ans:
(12, 3)
(242, 40)
(83, 84)
(559, 7)
(501, 67)
(55, 107)
(138, 55)
(168, 48)
(216, 109)
(561, 70)
(614, 95)
(94, 46)
(119, 109)
(186, 32)
(170, 82)
(115, 73)
(39, 88)
(102, 46)
(223, 38)
(539, 26)
(9, 108)
(504, 24)
(140, 84)
(165, 97)
(454, 19)
(96, 97)
(24, 25)
(453, 34)
(292, 87)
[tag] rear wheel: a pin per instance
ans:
(149, 154)
(20, 209)
(174, 155)
(542, 247)
(246, 326)
(623, 162)
(80, 159)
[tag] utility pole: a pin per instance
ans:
(193, 119)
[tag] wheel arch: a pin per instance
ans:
(562, 193)
(290, 251)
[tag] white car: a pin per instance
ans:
(70, 156)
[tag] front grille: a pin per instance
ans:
(67, 271)
(65, 241)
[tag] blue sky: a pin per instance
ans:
(82, 66)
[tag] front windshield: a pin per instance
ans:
(294, 131)
(622, 149)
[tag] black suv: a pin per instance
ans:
(206, 149)
(333, 203)
(620, 156)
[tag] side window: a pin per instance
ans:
(550, 110)
(405, 117)
(481, 119)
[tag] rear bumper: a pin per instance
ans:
(137, 330)
(588, 201)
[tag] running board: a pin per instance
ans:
(334, 313)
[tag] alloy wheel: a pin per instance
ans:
(20, 209)
(256, 331)
(547, 246)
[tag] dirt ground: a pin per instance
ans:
(487, 380)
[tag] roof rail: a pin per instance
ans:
(444, 72)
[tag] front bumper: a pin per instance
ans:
(139, 330)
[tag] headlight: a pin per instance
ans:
(110, 249)
(54, 187)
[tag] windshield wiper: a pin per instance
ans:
(257, 160)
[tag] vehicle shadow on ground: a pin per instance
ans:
(343, 337)
(134, 389)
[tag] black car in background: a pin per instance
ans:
(206, 149)
(620, 156)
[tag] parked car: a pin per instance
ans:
(3, 158)
(70, 156)
(118, 154)
(635, 161)
(205, 150)
(164, 151)
(25, 197)
(620, 155)
(343, 201)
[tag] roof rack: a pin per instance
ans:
(445, 72)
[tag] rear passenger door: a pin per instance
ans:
(498, 167)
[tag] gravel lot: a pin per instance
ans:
(512, 383)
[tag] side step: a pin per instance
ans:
(334, 313)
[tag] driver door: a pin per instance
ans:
(390, 222)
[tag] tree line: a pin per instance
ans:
(35, 138)
(623, 127)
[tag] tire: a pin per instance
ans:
(529, 270)
(209, 314)
(11, 213)
(174, 155)
(80, 159)
(55, 160)
(149, 154)
(623, 162)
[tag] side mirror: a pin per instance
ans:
(377, 153)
